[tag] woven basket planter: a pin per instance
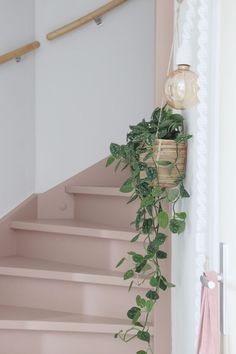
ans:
(166, 150)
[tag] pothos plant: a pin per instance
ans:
(152, 221)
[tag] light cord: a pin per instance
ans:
(184, 52)
(175, 35)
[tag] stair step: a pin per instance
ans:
(35, 268)
(74, 227)
(22, 318)
(97, 190)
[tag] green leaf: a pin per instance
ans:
(127, 186)
(157, 192)
(129, 274)
(145, 189)
(149, 200)
(141, 352)
(139, 218)
(124, 167)
(154, 282)
(131, 253)
(151, 173)
(146, 268)
(117, 165)
(173, 195)
(160, 239)
(120, 262)
(152, 295)
(156, 114)
(181, 215)
(137, 258)
(110, 160)
(154, 245)
(130, 285)
(182, 138)
(144, 336)
(174, 226)
(147, 226)
(177, 117)
(115, 150)
(164, 163)
(133, 198)
(136, 317)
(177, 226)
(135, 238)
(182, 226)
(140, 301)
(149, 305)
(149, 209)
(163, 219)
(163, 283)
(140, 266)
(161, 255)
(132, 312)
(183, 192)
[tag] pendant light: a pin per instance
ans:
(181, 88)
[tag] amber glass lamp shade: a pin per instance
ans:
(181, 88)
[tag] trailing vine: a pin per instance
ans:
(152, 221)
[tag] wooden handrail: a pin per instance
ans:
(85, 19)
(19, 52)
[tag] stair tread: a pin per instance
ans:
(74, 227)
(43, 269)
(97, 190)
(23, 318)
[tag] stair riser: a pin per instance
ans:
(26, 342)
(84, 251)
(111, 211)
(89, 299)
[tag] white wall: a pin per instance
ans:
(90, 84)
(227, 157)
(16, 105)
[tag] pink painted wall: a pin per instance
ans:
(164, 37)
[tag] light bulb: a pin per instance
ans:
(181, 88)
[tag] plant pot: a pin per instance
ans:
(168, 150)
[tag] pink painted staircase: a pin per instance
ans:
(59, 290)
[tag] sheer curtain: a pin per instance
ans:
(197, 249)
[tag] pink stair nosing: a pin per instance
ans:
(108, 191)
(41, 269)
(22, 318)
(74, 227)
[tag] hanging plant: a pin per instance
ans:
(155, 153)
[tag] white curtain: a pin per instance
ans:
(197, 249)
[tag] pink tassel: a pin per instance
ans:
(209, 334)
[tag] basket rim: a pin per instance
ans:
(171, 141)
